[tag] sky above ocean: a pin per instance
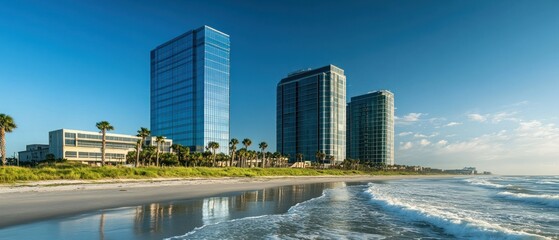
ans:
(475, 82)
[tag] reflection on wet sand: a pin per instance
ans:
(162, 220)
(180, 217)
(102, 227)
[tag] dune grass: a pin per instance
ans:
(83, 172)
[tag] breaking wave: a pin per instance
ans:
(452, 222)
(546, 199)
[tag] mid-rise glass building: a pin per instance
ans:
(370, 127)
(311, 113)
(190, 89)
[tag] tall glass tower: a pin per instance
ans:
(190, 89)
(370, 127)
(311, 108)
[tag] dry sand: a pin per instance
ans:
(27, 202)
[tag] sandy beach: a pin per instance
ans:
(27, 202)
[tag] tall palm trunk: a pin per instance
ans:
(232, 157)
(213, 162)
(157, 155)
(138, 153)
(263, 159)
(3, 145)
(104, 142)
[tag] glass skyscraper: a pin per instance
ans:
(370, 127)
(190, 89)
(311, 108)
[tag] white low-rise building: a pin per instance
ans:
(34, 152)
(85, 146)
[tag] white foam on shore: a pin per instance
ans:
(297, 209)
(546, 199)
(297, 223)
(195, 230)
(452, 222)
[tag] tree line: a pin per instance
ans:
(146, 155)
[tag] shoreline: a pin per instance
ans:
(23, 203)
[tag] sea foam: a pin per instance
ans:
(484, 183)
(546, 199)
(454, 223)
(207, 231)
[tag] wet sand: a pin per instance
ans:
(35, 201)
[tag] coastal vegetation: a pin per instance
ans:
(147, 161)
(75, 171)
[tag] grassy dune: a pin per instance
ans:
(77, 172)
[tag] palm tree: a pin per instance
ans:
(143, 133)
(233, 147)
(263, 146)
(7, 125)
(159, 140)
(275, 156)
(299, 157)
(320, 157)
(331, 158)
(213, 146)
(206, 157)
(182, 153)
(242, 154)
(147, 154)
(246, 142)
(136, 154)
(196, 158)
(104, 126)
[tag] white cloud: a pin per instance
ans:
(424, 142)
(402, 134)
(442, 142)
(419, 135)
(531, 147)
(450, 124)
(409, 119)
(406, 145)
(412, 117)
(495, 118)
(504, 116)
(436, 120)
(537, 129)
(477, 117)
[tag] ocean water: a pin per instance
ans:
(488, 207)
(457, 208)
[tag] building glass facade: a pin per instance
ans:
(190, 89)
(370, 127)
(311, 113)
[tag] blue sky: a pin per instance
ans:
(476, 82)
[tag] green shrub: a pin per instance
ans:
(70, 170)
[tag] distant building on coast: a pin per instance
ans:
(370, 127)
(34, 152)
(465, 171)
(85, 147)
(190, 89)
(311, 109)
